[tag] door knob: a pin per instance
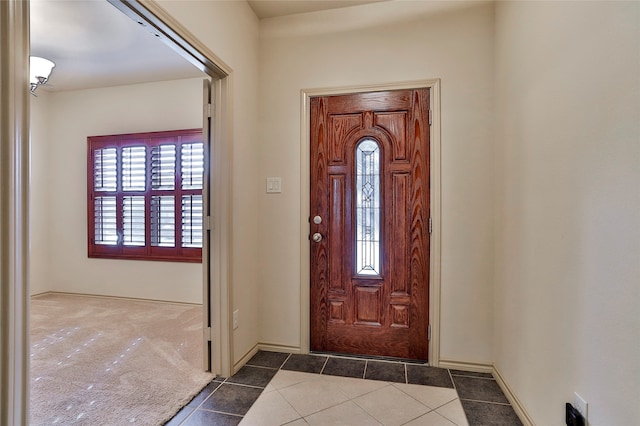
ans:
(317, 220)
(317, 237)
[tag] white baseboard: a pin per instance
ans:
(513, 399)
(272, 347)
(106, 296)
(465, 366)
(245, 358)
(269, 347)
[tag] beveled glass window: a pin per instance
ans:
(368, 208)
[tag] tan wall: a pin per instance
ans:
(39, 262)
(384, 43)
(568, 207)
(72, 116)
(538, 211)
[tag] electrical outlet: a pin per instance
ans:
(236, 313)
(580, 404)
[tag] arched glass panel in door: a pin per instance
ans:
(367, 206)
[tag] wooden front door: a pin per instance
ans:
(370, 223)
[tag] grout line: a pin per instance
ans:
(447, 418)
(406, 374)
(452, 381)
(366, 364)
(449, 402)
(327, 408)
(414, 398)
(186, 418)
(292, 407)
(373, 358)
(223, 412)
(284, 362)
(202, 402)
(241, 384)
(324, 365)
(486, 402)
(416, 418)
(262, 366)
(474, 377)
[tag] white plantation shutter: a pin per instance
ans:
(163, 221)
(192, 221)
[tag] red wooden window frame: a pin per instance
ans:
(146, 251)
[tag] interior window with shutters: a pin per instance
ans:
(145, 196)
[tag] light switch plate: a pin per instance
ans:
(236, 314)
(274, 185)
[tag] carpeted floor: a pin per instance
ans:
(108, 361)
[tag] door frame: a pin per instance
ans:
(217, 291)
(14, 238)
(14, 219)
(435, 194)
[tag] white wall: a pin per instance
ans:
(230, 30)
(39, 280)
(568, 207)
(384, 43)
(73, 116)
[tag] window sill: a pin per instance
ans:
(181, 259)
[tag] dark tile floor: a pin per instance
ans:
(226, 401)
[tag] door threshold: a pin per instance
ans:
(372, 358)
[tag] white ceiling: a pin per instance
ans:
(93, 44)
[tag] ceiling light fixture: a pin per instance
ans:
(39, 72)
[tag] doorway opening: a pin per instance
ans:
(14, 114)
(218, 121)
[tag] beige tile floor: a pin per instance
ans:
(298, 399)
